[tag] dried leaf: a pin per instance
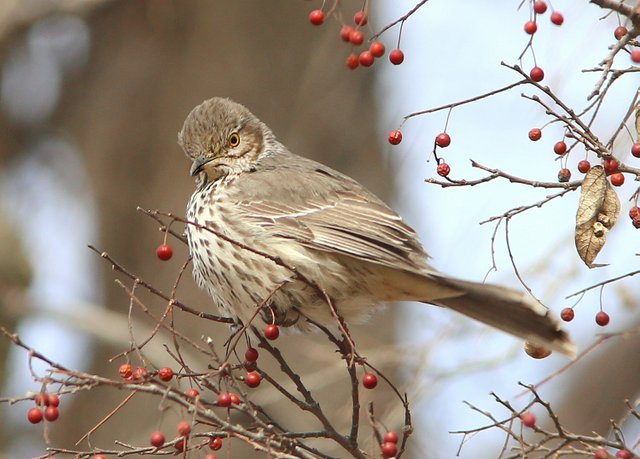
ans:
(598, 211)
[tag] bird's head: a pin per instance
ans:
(221, 137)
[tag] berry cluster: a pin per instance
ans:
(528, 419)
(130, 375)
(602, 318)
(224, 399)
(540, 7)
(389, 446)
(46, 408)
(253, 378)
(442, 140)
(619, 33)
(611, 167)
(354, 35)
(610, 164)
(157, 439)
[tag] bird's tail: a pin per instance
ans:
(509, 310)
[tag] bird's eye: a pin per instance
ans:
(233, 140)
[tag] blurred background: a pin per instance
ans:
(92, 95)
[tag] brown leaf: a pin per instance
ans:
(598, 211)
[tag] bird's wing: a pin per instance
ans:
(325, 210)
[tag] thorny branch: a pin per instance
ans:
(261, 431)
(555, 441)
(575, 128)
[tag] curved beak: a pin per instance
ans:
(198, 164)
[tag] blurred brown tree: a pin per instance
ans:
(150, 62)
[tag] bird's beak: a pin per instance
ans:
(198, 164)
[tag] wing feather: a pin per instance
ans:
(325, 210)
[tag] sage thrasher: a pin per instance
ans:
(322, 232)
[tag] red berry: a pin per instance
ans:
(34, 415)
(360, 18)
(620, 32)
(602, 318)
(369, 380)
(443, 140)
(391, 437)
(610, 165)
(567, 314)
(235, 399)
(316, 17)
(539, 7)
(125, 370)
(224, 399)
(634, 212)
(184, 428)
(157, 439)
(164, 252)
(140, 374)
(51, 413)
(251, 354)
(557, 18)
(396, 57)
(635, 56)
(366, 59)
(42, 398)
(356, 37)
(530, 27)
(535, 134)
(624, 454)
(271, 332)
(54, 400)
(345, 32)
(560, 148)
(617, 179)
(352, 61)
(536, 74)
(395, 137)
(210, 456)
(636, 223)
(179, 446)
(535, 351)
(165, 374)
(601, 453)
(635, 149)
(584, 166)
(192, 393)
(377, 49)
(389, 449)
(528, 419)
(215, 443)
(564, 175)
(443, 169)
(252, 379)
(99, 456)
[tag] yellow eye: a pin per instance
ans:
(233, 140)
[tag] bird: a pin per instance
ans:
(284, 239)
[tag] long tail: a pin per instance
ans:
(508, 310)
